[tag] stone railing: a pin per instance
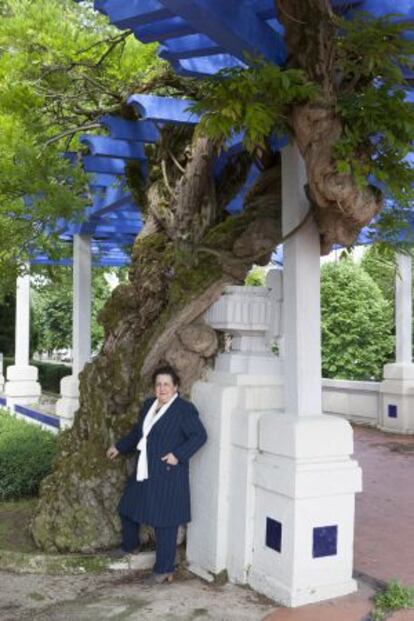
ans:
(355, 401)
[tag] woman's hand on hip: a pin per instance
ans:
(112, 452)
(170, 459)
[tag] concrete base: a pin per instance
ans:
(305, 484)
(22, 386)
(397, 399)
(220, 537)
(68, 403)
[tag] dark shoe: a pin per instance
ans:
(154, 579)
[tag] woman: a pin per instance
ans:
(167, 434)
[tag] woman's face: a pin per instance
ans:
(164, 388)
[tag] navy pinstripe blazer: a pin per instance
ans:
(164, 498)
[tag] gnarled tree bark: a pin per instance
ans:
(341, 207)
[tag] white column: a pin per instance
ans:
(82, 302)
(301, 255)
(22, 386)
(403, 310)
(81, 336)
(304, 479)
(397, 389)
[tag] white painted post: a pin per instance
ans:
(403, 310)
(22, 386)
(397, 389)
(304, 479)
(301, 294)
(82, 301)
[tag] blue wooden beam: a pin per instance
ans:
(164, 29)
(133, 12)
(189, 47)
(100, 180)
(164, 109)
(233, 25)
(106, 165)
(204, 66)
(138, 131)
(108, 147)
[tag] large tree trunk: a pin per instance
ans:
(341, 207)
(186, 254)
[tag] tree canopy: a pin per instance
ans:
(52, 305)
(61, 67)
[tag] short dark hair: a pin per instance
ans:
(166, 370)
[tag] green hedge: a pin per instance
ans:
(50, 374)
(26, 455)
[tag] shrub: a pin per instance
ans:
(50, 373)
(26, 455)
(356, 323)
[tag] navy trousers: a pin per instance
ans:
(166, 542)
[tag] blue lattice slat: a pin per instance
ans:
(139, 131)
(108, 147)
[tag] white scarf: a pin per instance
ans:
(149, 421)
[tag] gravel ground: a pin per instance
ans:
(123, 597)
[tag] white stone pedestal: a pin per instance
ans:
(22, 386)
(397, 398)
(305, 484)
(68, 403)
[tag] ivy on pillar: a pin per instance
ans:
(81, 335)
(305, 480)
(397, 388)
(22, 386)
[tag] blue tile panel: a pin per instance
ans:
(42, 418)
(392, 411)
(274, 534)
(3, 401)
(325, 539)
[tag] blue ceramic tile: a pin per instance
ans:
(274, 534)
(392, 411)
(325, 540)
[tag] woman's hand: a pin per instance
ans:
(170, 459)
(112, 452)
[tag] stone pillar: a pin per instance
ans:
(81, 339)
(304, 478)
(22, 386)
(245, 383)
(397, 388)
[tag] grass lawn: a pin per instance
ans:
(15, 517)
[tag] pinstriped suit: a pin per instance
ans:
(163, 500)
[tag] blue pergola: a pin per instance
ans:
(198, 38)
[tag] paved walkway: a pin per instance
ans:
(384, 549)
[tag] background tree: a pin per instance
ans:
(357, 323)
(52, 305)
